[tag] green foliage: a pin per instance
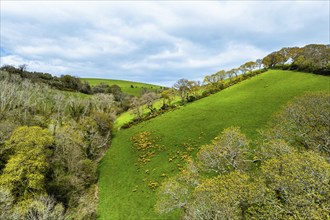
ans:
(182, 86)
(87, 205)
(304, 123)
(79, 146)
(65, 82)
(24, 173)
(312, 58)
(225, 197)
(249, 104)
(225, 153)
(45, 208)
(291, 186)
(6, 129)
(272, 148)
(301, 185)
(126, 86)
(6, 205)
(173, 195)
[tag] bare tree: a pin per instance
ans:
(182, 86)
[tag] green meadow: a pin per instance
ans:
(127, 189)
(131, 88)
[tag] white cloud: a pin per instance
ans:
(154, 41)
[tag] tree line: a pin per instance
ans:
(50, 145)
(313, 58)
(51, 140)
(283, 175)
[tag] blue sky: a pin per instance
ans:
(156, 42)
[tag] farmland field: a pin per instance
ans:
(132, 88)
(125, 187)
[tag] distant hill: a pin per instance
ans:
(126, 187)
(129, 87)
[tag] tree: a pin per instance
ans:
(45, 208)
(243, 69)
(23, 67)
(175, 192)
(103, 102)
(138, 107)
(117, 92)
(149, 99)
(288, 185)
(78, 108)
(215, 81)
(101, 88)
(236, 71)
(225, 153)
(300, 182)
(169, 95)
(94, 135)
(7, 205)
(71, 83)
(173, 195)
(273, 148)
(24, 173)
(6, 129)
(230, 74)
(225, 197)
(249, 65)
(269, 61)
(182, 86)
(259, 63)
(194, 87)
(304, 123)
(312, 58)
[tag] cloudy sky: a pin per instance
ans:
(156, 42)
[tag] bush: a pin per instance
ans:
(191, 98)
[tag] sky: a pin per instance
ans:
(154, 41)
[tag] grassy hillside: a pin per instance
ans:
(124, 85)
(123, 186)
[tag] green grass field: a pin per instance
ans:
(125, 85)
(128, 116)
(123, 187)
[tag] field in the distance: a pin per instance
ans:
(124, 191)
(132, 88)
